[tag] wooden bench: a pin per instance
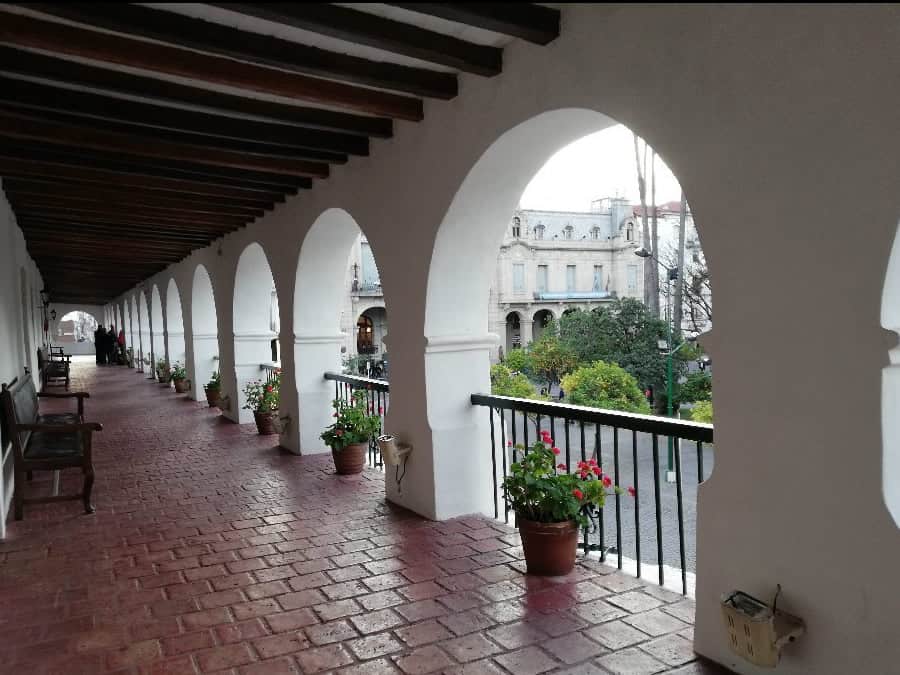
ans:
(56, 368)
(45, 442)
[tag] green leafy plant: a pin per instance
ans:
(543, 491)
(702, 412)
(263, 397)
(353, 423)
(605, 385)
(178, 372)
(549, 358)
(215, 381)
(517, 360)
(504, 383)
(696, 387)
(162, 369)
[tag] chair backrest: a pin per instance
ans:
(42, 359)
(20, 406)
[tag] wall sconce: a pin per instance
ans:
(45, 297)
(53, 315)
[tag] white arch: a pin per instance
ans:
(204, 331)
(320, 290)
(126, 323)
(144, 331)
(252, 322)
(157, 327)
(890, 386)
(175, 348)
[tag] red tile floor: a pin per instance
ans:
(213, 551)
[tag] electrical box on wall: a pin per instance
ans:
(756, 631)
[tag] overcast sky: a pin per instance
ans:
(599, 165)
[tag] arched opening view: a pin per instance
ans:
(144, 335)
(175, 348)
(255, 326)
(205, 332)
(340, 318)
(157, 333)
(75, 327)
(596, 249)
(890, 401)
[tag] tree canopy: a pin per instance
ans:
(605, 385)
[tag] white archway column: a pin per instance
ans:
(314, 355)
(460, 463)
(526, 331)
(250, 350)
(203, 363)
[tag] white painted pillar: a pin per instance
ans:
(460, 463)
(314, 355)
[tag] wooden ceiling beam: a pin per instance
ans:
(136, 195)
(375, 31)
(21, 168)
(32, 64)
(31, 33)
(120, 205)
(37, 228)
(523, 20)
(263, 50)
(148, 166)
(15, 125)
(35, 207)
(133, 222)
(20, 93)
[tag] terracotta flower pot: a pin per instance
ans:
(351, 459)
(265, 422)
(212, 397)
(182, 385)
(549, 547)
(165, 383)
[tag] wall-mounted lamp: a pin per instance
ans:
(45, 297)
(53, 314)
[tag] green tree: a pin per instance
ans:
(517, 360)
(605, 385)
(624, 333)
(697, 387)
(504, 383)
(549, 358)
(702, 412)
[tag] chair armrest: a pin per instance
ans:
(61, 428)
(73, 394)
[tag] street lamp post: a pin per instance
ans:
(671, 275)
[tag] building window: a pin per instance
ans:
(567, 231)
(517, 227)
(598, 278)
(542, 278)
(632, 278)
(518, 277)
(539, 231)
(595, 233)
(570, 278)
(629, 231)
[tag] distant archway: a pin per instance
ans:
(204, 331)
(255, 323)
(539, 322)
(174, 326)
(157, 327)
(144, 333)
(513, 332)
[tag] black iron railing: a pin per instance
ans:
(377, 400)
(630, 443)
(271, 371)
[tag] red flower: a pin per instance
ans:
(380, 410)
(339, 432)
(596, 470)
(562, 466)
(269, 389)
(584, 474)
(334, 415)
(508, 444)
(555, 451)
(578, 494)
(632, 491)
(607, 481)
(592, 462)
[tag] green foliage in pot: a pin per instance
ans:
(263, 397)
(543, 491)
(215, 382)
(179, 372)
(353, 423)
(162, 369)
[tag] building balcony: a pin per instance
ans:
(561, 296)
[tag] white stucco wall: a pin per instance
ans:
(789, 109)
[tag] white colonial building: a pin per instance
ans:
(364, 315)
(554, 261)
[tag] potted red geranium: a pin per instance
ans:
(262, 399)
(551, 503)
(350, 434)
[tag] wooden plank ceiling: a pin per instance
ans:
(131, 135)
